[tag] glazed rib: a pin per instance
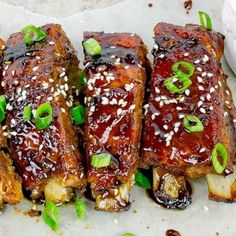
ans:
(10, 181)
(48, 160)
(165, 141)
(114, 95)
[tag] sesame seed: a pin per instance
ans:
(187, 92)
(202, 98)
(201, 88)
(9, 107)
(186, 54)
(92, 108)
(63, 110)
(227, 102)
(155, 46)
(113, 101)
(179, 108)
(202, 150)
(182, 99)
(105, 101)
(212, 90)
(157, 133)
(3, 83)
(3, 47)
(153, 116)
(209, 74)
(66, 78)
(161, 55)
(157, 99)
(66, 87)
(234, 120)
(225, 114)
(126, 67)
(50, 80)
(35, 68)
(129, 87)
(196, 61)
(208, 97)
(175, 80)
(40, 147)
(51, 43)
(176, 129)
(165, 127)
(181, 116)
(204, 74)
(202, 110)
(219, 83)
(124, 104)
(13, 73)
(199, 103)
(132, 107)
(199, 69)
(113, 46)
(49, 98)
(161, 104)
(157, 90)
(4, 73)
(90, 87)
(5, 133)
(62, 74)
(211, 108)
(227, 92)
(205, 58)
(177, 124)
(167, 143)
(199, 79)
(119, 111)
(34, 77)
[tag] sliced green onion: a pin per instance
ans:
(180, 73)
(128, 234)
(219, 167)
(27, 113)
(101, 160)
(43, 116)
(169, 83)
(82, 78)
(92, 47)
(51, 215)
(3, 104)
(80, 208)
(205, 20)
(142, 181)
(192, 124)
(78, 114)
(33, 34)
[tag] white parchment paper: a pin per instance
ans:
(202, 217)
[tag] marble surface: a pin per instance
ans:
(60, 8)
(202, 217)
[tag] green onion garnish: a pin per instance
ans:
(51, 215)
(192, 124)
(186, 65)
(169, 83)
(82, 78)
(3, 104)
(128, 234)
(80, 208)
(92, 47)
(33, 34)
(43, 116)
(219, 167)
(180, 76)
(101, 160)
(78, 114)
(27, 113)
(142, 181)
(205, 20)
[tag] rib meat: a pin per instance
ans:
(10, 181)
(114, 95)
(48, 160)
(166, 143)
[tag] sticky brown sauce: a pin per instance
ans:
(172, 232)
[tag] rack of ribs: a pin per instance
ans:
(48, 160)
(10, 181)
(165, 141)
(114, 96)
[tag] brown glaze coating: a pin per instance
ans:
(165, 140)
(10, 181)
(114, 96)
(48, 160)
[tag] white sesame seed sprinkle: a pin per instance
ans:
(199, 69)
(234, 120)
(187, 92)
(35, 68)
(204, 74)
(34, 77)
(202, 150)
(155, 46)
(200, 87)
(63, 110)
(161, 55)
(209, 75)
(186, 54)
(51, 43)
(199, 79)
(119, 111)
(132, 107)
(179, 108)
(227, 92)
(92, 108)
(225, 114)
(165, 127)
(212, 90)
(211, 108)
(181, 116)
(208, 97)
(62, 74)
(199, 103)
(202, 110)
(196, 61)
(126, 67)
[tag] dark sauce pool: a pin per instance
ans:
(172, 232)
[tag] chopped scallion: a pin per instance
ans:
(78, 114)
(51, 215)
(142, 181)
(3, 104)
(33, 34)
(101, 159)
(80, 208)
(43, 116)
(192, 124)
(92, 47)
(27, 113)
(186, 65)
(128, 234)
(218, 165)
(205, 20)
